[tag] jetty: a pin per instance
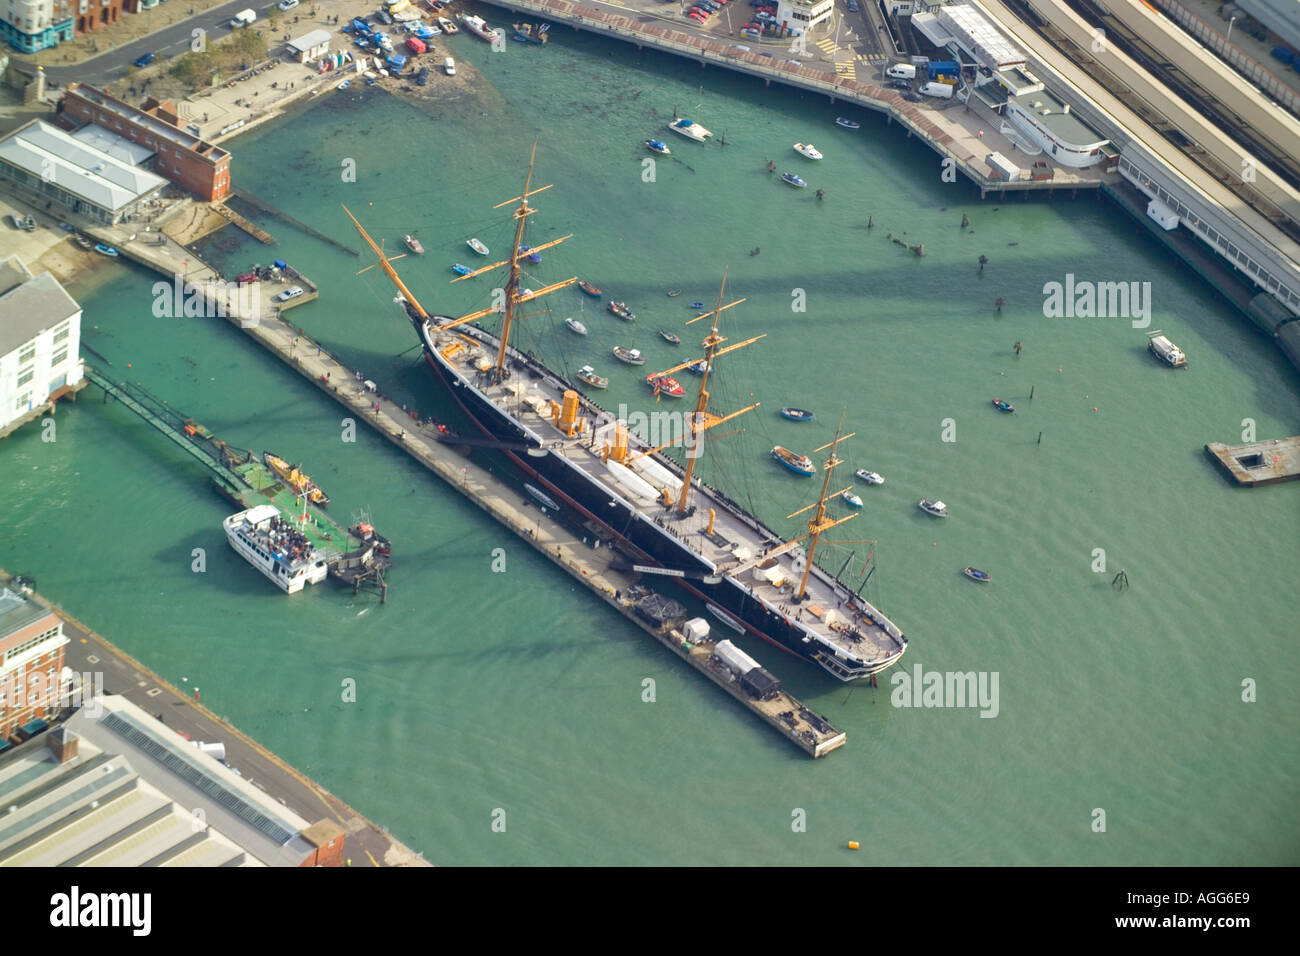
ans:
(581, 557)
(1258, 462)
(265, 207)
(240, 477)
(235, 219)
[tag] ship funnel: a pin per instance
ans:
(618, 448)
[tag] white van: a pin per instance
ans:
(243, 18)
(450, 66)
(940, 90)
(901, 71)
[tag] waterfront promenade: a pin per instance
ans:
(91, 653)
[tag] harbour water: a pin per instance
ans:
(482, 690)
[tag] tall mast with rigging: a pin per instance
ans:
(701, 419)
(819, 522)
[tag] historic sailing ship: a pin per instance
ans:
(656, 518)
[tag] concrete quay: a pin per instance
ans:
(966, 136)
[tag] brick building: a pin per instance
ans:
(178, 155)
(90, 15)
(31, 662)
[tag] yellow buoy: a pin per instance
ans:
(853, 844)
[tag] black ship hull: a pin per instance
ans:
(643, 539)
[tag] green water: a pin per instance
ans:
(479, 691)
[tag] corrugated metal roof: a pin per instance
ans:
(114, 144)
(50, 154)
(311, 40)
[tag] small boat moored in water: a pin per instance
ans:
(807, 149)
(799, 464)
(1003, 406)
(699, 368)
(575, 326)
(447, 26)
(672, 293)
(413, 244)
(655, 146)
(975, 574)
(531, 32)
(665, 385)
(847, 123)
(590, 289)
(105, 250)
(587, 375)
(670, 337)
(689, 129)
(478, 27)
(870, 477)
(630, 356)
(461, 270)
(796, 414)
(795, 181)
(936, 507)
(850, 499)
(1163, 349)
(527, 252)
(477, 246)
(622, 311)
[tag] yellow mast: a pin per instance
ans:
(384, 264)
(819, 522)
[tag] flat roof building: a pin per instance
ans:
(49, 163)
(185, 159)
(40, 343)
(310, 46)
(114, 786)
(1062, 136)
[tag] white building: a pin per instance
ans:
(310, 46)
(804, 14)
(40, 342)
(1049, 124)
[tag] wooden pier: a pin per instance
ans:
(234, 218)
(1258, 462)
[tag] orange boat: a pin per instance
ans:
(298, 483)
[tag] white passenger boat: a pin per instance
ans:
(477, 246)
(936, 508)
(269, 542)
(447, 26)
(807, 149)
(689, 129)
(575, 326)
(870, 477)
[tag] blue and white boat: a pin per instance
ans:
(796, 414)
(461, 270)
(975, 574)
(793, 180)
(655, 146)
(847, 123)
(105, 250)
(850, 499)
(799, 464)
(533, 257)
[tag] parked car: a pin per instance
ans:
(286, 5)
(291, 293)
(244, 278)
(422, 77)
(900, 84)
(853, 6)
(696, 16)
(143, 61)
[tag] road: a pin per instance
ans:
(168, 42)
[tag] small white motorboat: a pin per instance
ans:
(588, 375)
(936, 507)
(870, 477)
(576, 326)
(477, 246)
(689, 129)
(629, 356)
(852, 500)
(807, 149)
